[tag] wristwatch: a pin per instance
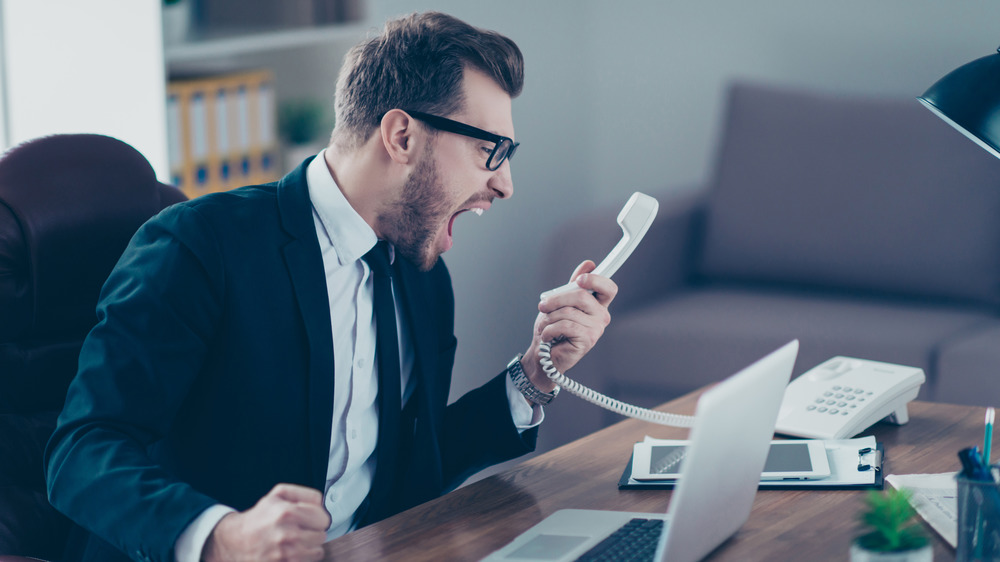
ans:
(523, 384)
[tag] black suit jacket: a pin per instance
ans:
(209, 378)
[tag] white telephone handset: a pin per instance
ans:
(843, 396)
(635, 219)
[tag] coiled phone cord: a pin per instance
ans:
(606, 402)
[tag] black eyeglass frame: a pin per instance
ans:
(459, 128)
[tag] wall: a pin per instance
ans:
(84, 67)
(626, 95)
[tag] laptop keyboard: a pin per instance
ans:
(635, 540)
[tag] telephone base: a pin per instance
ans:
(844, 396)
(899, 417)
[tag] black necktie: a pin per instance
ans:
(387, 355)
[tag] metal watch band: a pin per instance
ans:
(523, 384)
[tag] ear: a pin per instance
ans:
(400, 136)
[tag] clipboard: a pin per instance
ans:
(846, 456)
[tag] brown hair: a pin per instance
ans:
(416, 63)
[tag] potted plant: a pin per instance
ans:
(893, 533)
(304, 126)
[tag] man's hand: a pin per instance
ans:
(576, 318)
(289, 523)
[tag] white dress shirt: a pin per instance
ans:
(344, 238)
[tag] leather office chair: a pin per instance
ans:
(68, 206)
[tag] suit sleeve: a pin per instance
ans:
(480, 432)
(156, 317)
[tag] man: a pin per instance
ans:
(232, 403)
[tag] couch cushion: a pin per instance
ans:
(969, 368)
(840, 192)
(681, 344)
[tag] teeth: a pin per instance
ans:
(479, 212)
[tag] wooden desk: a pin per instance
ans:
(475, 520)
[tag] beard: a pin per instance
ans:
(412, 224)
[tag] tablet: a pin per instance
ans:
(786, 460)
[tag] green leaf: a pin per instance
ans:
(890, 523)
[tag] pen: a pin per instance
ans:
(989, 436)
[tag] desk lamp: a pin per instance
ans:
(968, 98)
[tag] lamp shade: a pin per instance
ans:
(968, 98)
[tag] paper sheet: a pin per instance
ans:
(934, 498)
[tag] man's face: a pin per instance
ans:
(451, 177)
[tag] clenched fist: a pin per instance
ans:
(288, 524)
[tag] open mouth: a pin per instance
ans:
(451, 223)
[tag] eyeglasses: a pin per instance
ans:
(503, 148)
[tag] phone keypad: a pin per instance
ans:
(839, 400)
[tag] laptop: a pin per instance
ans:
(733, 428)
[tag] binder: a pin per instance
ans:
(222, 137)
(175, 151)
(198, 119)
(845, 456)
(222, 131)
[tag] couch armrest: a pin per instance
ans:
(661, 263)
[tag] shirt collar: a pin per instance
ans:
(349, 234)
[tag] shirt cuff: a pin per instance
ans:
(192, 541)
(525, 416)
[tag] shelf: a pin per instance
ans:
(201, 49)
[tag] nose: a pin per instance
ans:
(501, 182)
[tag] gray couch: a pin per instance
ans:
(862, 227)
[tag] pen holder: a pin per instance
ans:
(978, 520)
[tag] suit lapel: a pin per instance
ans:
(305, 268)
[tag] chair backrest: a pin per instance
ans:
(69, 204)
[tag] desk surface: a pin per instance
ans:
(475, 520)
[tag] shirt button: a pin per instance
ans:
(360, 363)
(354, 434)
(332, 496)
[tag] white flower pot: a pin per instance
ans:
(859, 554)
(176, 22)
